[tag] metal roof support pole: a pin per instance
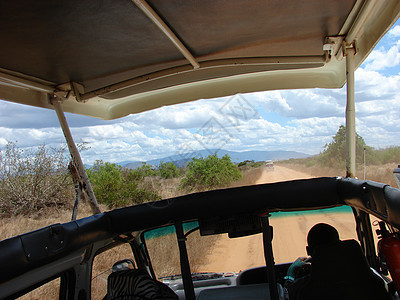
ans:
(269, 256)
(364, 230)
(350, 115)
(184, 260)
(155, 18)
(76, 158)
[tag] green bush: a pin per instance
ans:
(168, 170)
(384, 156)
(245, 163)
(117, 187)
(209, 173)
(145, 170)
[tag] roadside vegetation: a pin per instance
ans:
(32, 181)
(118, 187)
(210, 173)
(379, 163)
(35, 182)
(247, 164)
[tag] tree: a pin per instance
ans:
(335, 151)
(34, 179)
(211, 172)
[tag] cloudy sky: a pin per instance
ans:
(277, 120)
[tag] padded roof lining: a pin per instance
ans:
(123, 63)
(278, 29)
(78, 41)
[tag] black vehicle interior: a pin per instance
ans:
(341, 271)
(82, 240)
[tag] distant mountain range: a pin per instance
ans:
(182, 159)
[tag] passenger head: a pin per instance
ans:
(321, 234)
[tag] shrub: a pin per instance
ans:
(168, 170)
(245, 163)
(209, 173)
(145, 170)
(117, 187)
(107, 182)
(35, 179)
(384, 156)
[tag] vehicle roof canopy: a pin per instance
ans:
(123, 57)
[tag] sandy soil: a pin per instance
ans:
(281, 174)
(290, 233)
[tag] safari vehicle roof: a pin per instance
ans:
(122, 57)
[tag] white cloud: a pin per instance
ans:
(395, 31)
(301, 103)
(380, 59)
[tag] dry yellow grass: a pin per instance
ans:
(379, 173)
(249, 177)
(166, 188)
(383, 173)
(164, 253)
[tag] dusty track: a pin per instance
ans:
(289, 234)
(281, 174)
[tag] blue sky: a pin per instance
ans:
(276, 120)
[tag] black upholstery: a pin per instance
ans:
(252, 276)
(259, 275)
(341, 271)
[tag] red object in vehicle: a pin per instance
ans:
(389, 247)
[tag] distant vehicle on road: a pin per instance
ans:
(269, 164)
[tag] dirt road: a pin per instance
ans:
(281, 174)
(289, 242)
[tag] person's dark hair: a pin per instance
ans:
(321, 234)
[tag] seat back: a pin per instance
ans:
(252, 276)
(136, 284)
(341, 271)
(240, 292)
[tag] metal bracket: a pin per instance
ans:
(78, 90)
(64, 91)
(336, 46)
(349, 46)
(59, 95)
(332, 47)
